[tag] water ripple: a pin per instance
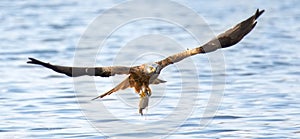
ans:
(260, 100)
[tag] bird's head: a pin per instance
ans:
(151, 68)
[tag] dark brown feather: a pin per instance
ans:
(226, 39)
(81, 71)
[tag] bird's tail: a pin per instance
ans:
(158, 81)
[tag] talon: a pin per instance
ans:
(142, 94)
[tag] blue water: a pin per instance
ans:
(261, 98)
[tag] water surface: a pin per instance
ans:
(261, 97)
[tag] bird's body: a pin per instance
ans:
(140, 82)
(140, 77)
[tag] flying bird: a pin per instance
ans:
(140, 77)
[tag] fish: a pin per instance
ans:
(144, 102)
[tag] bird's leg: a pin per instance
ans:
(143, 93)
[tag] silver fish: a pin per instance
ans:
(144, 102)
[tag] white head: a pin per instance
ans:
(151, 68)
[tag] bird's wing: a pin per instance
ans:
(123, 85)
(80, 71)
(226, 39)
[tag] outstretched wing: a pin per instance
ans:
(123, 85)
(226, 39)
(80, 71)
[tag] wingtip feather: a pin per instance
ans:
(258, 13)
(33, 61)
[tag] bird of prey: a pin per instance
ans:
(140, 77)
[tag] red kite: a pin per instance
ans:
(140, 77)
